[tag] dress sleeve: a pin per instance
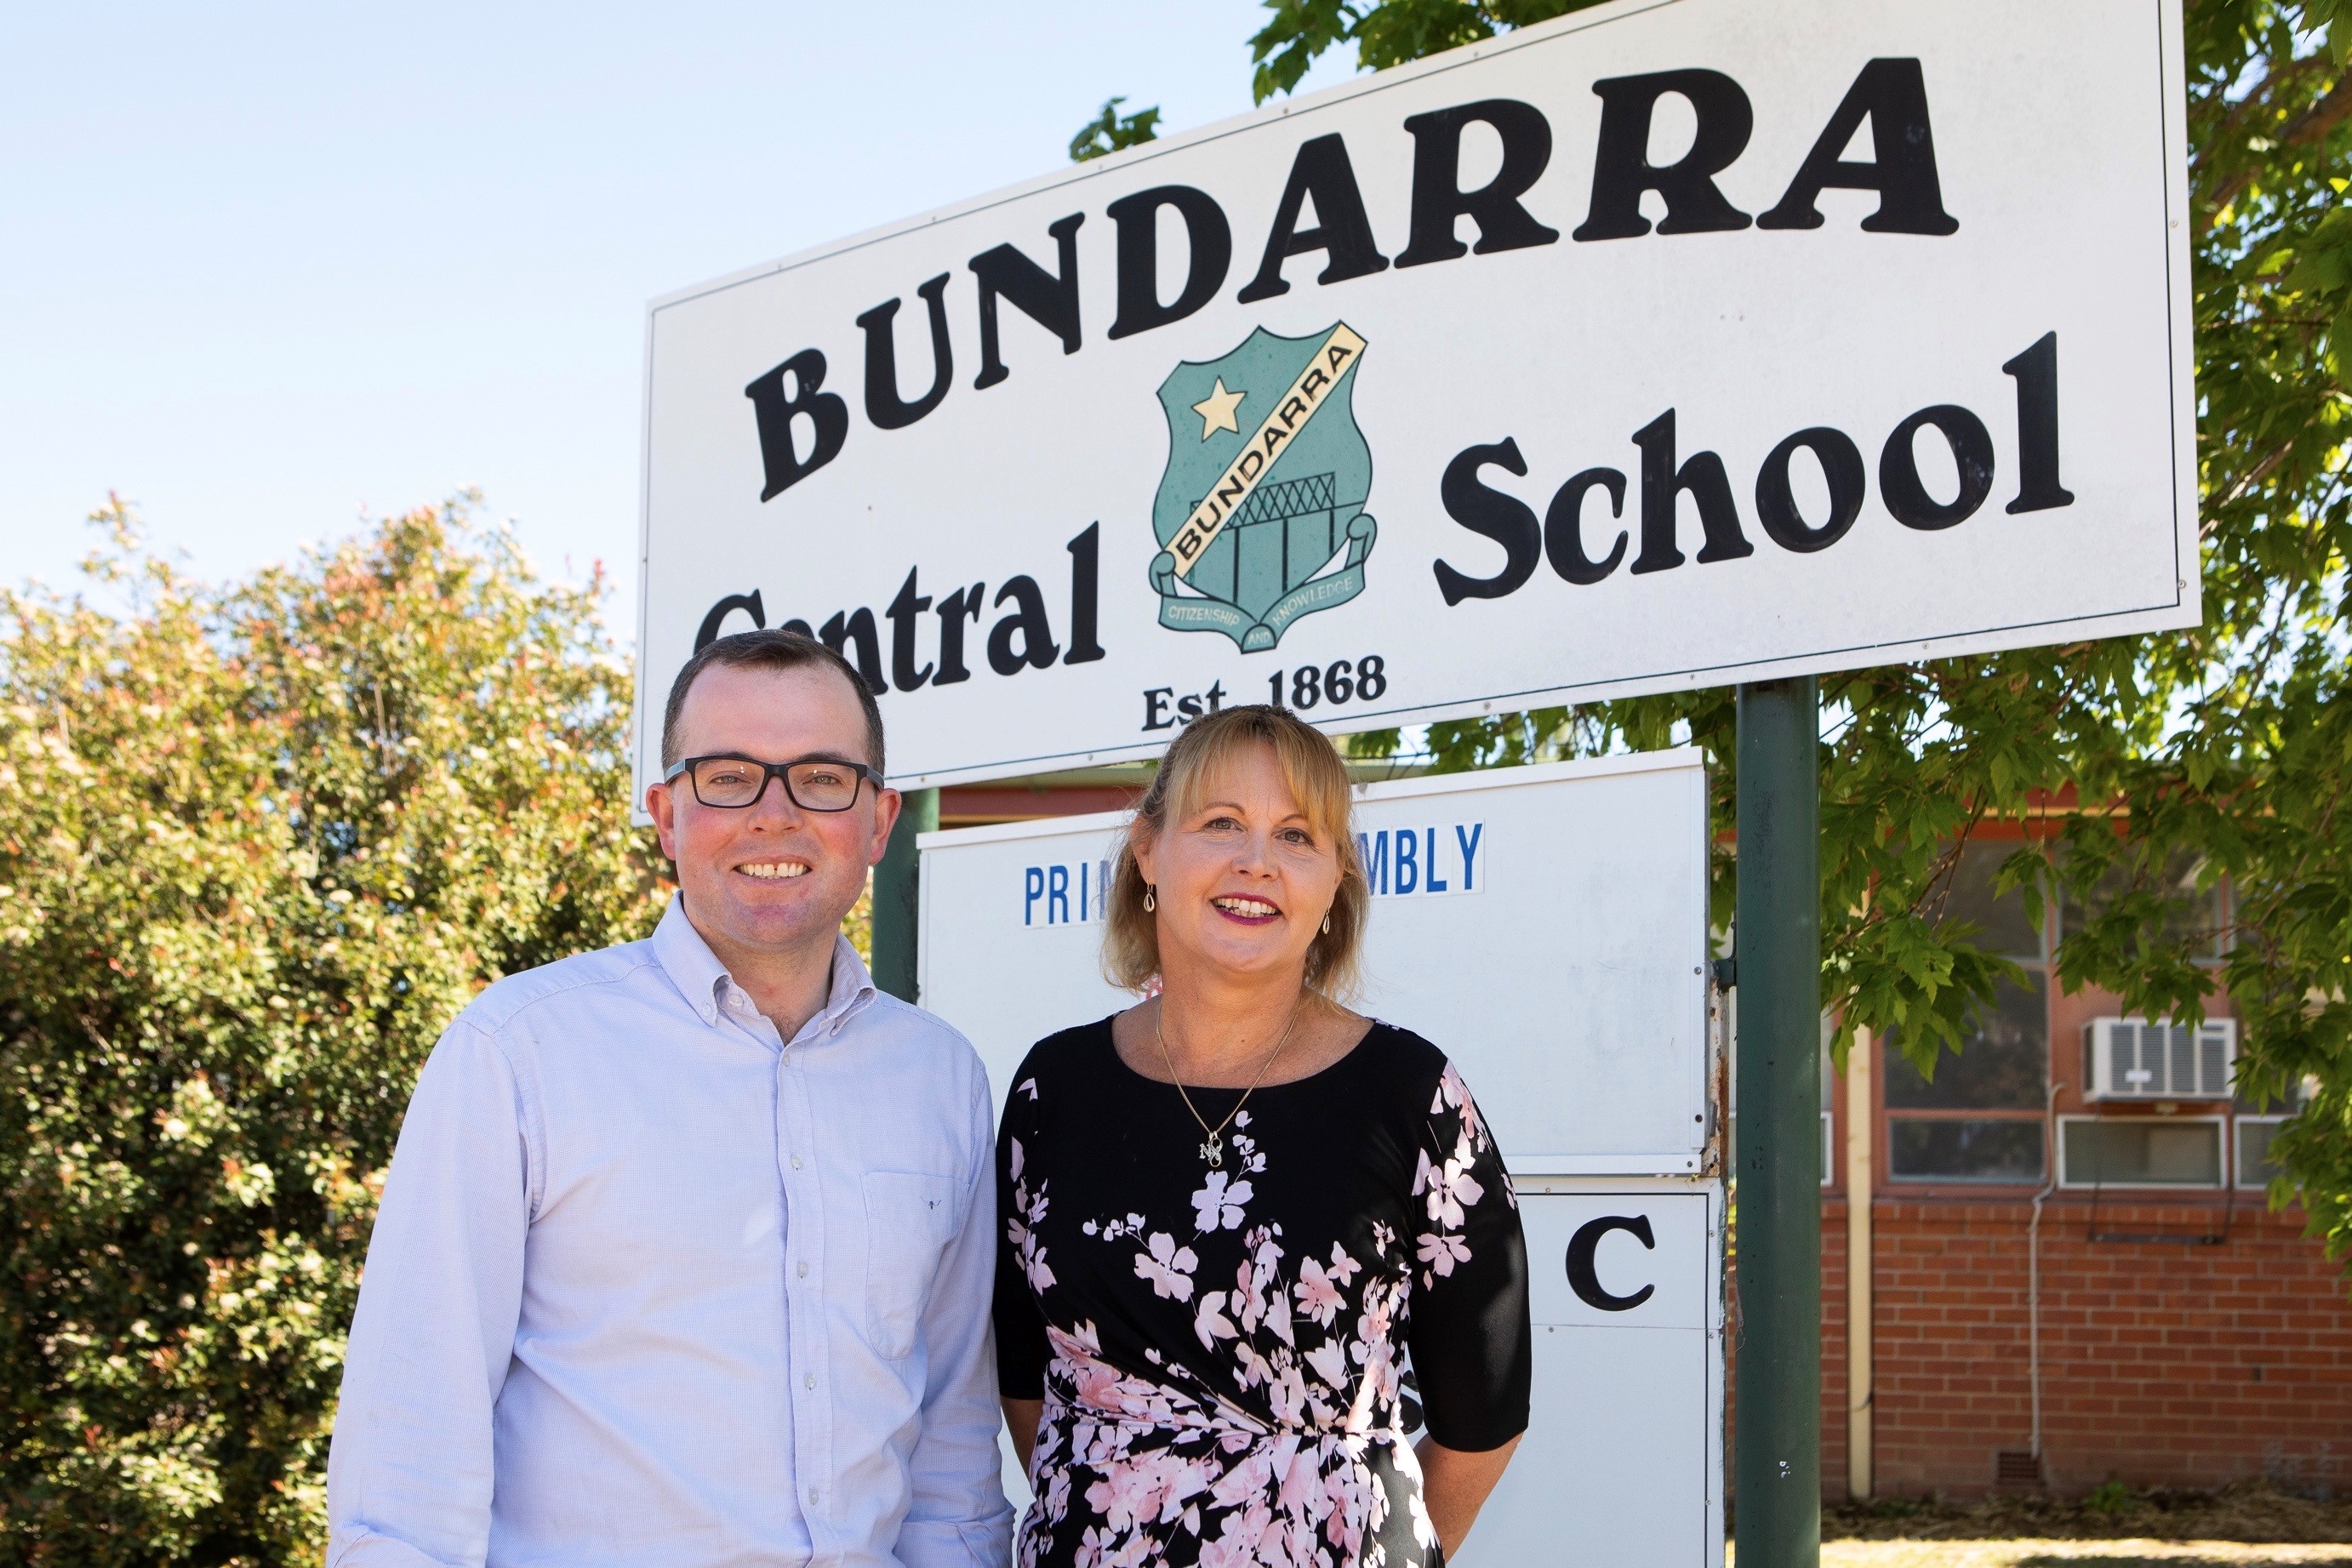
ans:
(1469, 1333)
(1020, 1270)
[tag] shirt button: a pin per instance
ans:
(808, 1380)
(804, 1270)
(796, 1162)
(813, 1491)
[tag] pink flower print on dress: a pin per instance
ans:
(1249, 1301)
(1277, 1314)
(1210, 1321)
(1451, 1189)
(1329, 1363)
(1440, 1253)
(1287, 1390)
(1032, 1257)
(1168, 1267)
(1020, 1226)
(1452, 1094)
(1243, 1532)
(1247, 1482)
(1131, 1491)
(1319, 1294)
(1219, 1202)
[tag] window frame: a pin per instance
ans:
(2236, 1153)
(2041, 966)
(2033, 1119)
(2224, 1154)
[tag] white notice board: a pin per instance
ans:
(1623, 1461)
(1668, 344)
(1544, 926)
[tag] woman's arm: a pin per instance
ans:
(1471, 1337)
(1454, 1485)
(1021, 1416)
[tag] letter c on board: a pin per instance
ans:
(1584, 1281)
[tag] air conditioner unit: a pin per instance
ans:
(2145, 1059)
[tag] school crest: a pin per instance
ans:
(1260, 516)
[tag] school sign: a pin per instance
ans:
(1673, 343)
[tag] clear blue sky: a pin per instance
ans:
(268, 269)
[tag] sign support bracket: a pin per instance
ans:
(896, 891)
(1777, 1435)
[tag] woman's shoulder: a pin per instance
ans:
(1079, 1050)
(1395, 1057)
(1422, 1083)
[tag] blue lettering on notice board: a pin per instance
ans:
(1407, 863)
(1064, 894)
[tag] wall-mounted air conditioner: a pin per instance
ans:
(2155, 1059)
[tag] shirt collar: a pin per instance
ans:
(703, 980)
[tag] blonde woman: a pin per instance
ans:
(1234, 1212)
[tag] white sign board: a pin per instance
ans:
(1546, 927)
(1623, 1460)
(1661, 346)
(1623, 1463)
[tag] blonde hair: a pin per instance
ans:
(1316, 780)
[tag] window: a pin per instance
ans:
(2190, 915)
(1829, 1070)
(2158, 1151)
(2003, 1066)
(1956, 1148)
(2254, 1133)
(1979, 1117)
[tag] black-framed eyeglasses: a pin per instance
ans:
(813, 783)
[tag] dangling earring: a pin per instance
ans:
(1150, 898)
(1326, 923)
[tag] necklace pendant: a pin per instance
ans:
(1213, 1151)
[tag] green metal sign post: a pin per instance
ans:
(896, 890)
(1777, 929)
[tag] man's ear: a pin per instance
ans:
(886, 806)
(662, 807)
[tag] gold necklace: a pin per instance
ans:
(1212, 1149)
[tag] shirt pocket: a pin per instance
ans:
(908, 1222)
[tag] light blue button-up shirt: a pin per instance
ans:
(650, 1286)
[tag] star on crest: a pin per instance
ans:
(1216, 411)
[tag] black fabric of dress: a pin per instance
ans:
(1219, 1348)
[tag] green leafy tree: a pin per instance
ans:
(2178, 761)
(258, 844)
(1385, 32)
(1111, 131)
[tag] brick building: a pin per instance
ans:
(2188, 1335)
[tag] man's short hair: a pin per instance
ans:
(769, 650)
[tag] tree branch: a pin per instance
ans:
(2312, 125)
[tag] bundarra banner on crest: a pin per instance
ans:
(1249, 522)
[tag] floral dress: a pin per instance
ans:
(1219, 1351)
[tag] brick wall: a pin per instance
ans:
(2162, 1363)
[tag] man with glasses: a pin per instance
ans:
(684, 1257)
